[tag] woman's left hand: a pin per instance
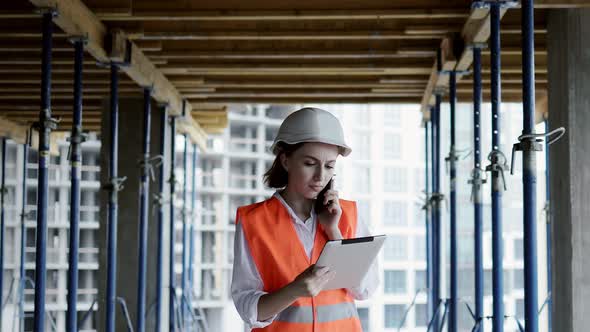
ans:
(330, 216)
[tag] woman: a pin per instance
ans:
(276, 286)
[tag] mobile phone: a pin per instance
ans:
(318, 205)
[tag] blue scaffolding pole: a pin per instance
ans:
(434, 301)
(184, 281)
(144, 190)
(45, 125)
(2, 198)
(427, 224)
(497, 167)
(172, 276)
(76, 140)
(477, 180)
(437, 198)
(160, 204)
(529, 172)
(113, 187)
(192, 228)
(452, 158)
(23, 239)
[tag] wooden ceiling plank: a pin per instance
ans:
(76, 19)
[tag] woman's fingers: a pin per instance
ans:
(319, 271)
(331, 195)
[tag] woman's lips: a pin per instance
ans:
(317, 188)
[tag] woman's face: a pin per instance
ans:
(310, 168)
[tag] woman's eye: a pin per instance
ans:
(308, 164)
(329, 167)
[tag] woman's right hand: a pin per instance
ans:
(312, 281)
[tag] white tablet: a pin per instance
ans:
(350, 259)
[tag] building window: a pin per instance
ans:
(361, 117)
(394, 314)
(419, 248)
(421, 315)
(392, 118)
(518, 275)
(361, 145)
(394, 213)
(392, 146)
(362, 176)
(364, 318)
(395, 282)
(518, 249)
(396, 248)
(394, 179)
(420, 280)
(363, 210)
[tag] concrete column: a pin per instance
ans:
(569, 106)
(130, 152)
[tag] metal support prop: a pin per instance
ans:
(529, 174)
(113, 187)
(45, 125)
(477, 180)
(497, 170)
(436, 229)
(2, 199)
(76, 140)
(172, 180)
(548, 232)
(452, 159)
(23, 240)
(427, 224)
(144, 190)
(160, 204)
(184, 280)
(192, 228)
(433, 303)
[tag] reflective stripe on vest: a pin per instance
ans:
(325, 313)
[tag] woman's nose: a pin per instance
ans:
(319, 174)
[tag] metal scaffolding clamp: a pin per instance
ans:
(47, 122)
(532, 142)
(499, 163)
(148, 164)
(436, 198)
(439, 90)
(478, 178)
(115, 184)
(77, 137)
(426, 202)
(47, 10)
(29, 215)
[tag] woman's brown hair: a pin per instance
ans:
(277, 177)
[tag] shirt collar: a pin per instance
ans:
(292, 213)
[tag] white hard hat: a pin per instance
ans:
(311, 124)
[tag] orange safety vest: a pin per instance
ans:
(280, 257)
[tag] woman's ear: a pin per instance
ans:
(283, 160)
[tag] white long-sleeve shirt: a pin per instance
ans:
(247, 285)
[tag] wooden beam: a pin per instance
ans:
(283, 15)
(76, 19)
(287, 55)
(285, 35)
(476, 31)
(282, 69)
(437, 81)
